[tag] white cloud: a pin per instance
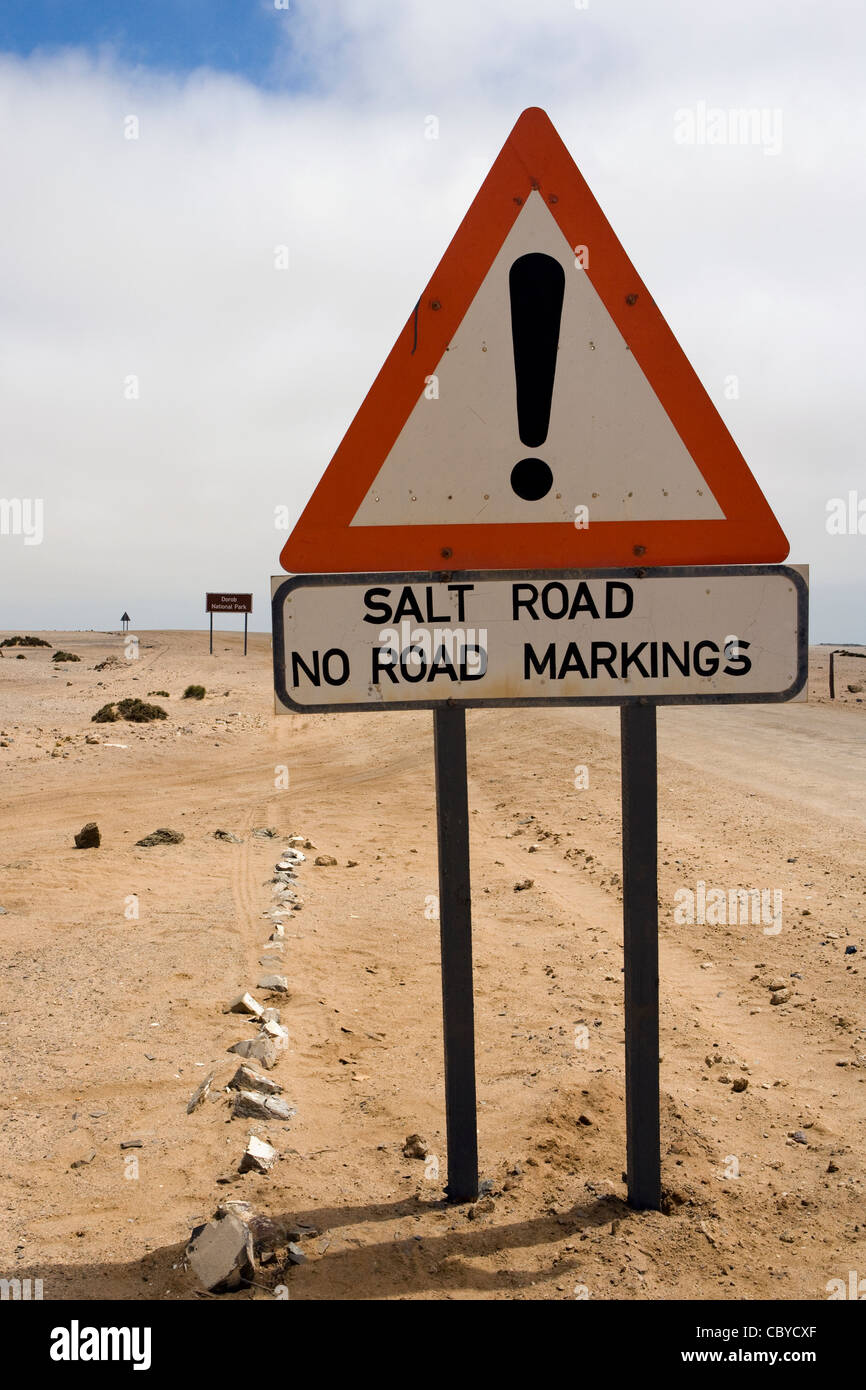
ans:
(155, 257)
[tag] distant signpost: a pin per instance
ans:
(124, 622)
(228, 603)
(442, 563)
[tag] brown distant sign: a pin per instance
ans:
(229, 603)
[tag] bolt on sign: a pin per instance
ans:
(538, 504)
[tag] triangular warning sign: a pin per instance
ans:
(536, 410)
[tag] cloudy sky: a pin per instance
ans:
(164, 387)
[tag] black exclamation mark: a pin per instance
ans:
(537, 286)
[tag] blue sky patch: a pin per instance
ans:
(238, 36)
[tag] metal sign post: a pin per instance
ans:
(455, 928)
(640, 919)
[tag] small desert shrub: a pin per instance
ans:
(138, 712)
(24, 642)
(194, 692)
(107, 715)
(65, 656)
(133, 709)
(164, 693)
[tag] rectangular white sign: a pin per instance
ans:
(602, 637)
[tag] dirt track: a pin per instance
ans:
(101, 1013)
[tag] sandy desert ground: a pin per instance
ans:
(109, 1022)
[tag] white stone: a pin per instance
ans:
(245, 1004)
(221, 1254)
(246, 1079)
(255, 1105)
(262, 1049)
(278, 1034)
(276, 984)
(259, 1156)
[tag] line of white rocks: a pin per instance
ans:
(222, 1253)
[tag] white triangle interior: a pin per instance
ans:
(610, 444)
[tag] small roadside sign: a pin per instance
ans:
(228, 603)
